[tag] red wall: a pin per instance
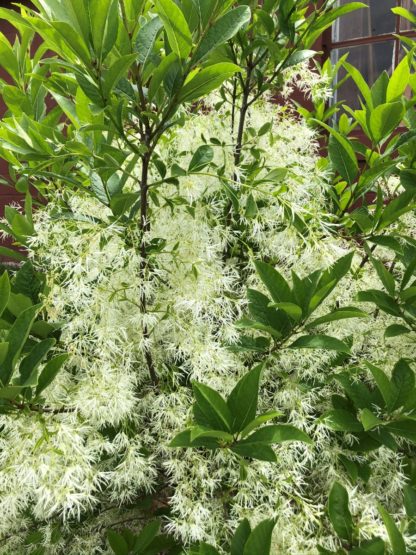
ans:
(7, 194)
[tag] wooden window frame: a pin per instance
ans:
(329, 44)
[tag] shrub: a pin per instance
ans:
(226, 355)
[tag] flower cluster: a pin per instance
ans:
(110, 447)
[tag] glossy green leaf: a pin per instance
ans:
(176, 27)
(338, 314)
(275, 433)
(386, 277)
(104, 26)
(341, 154)
(4, 291)
(146, 536)
(341, 420)
(260, 539)
(222, 30)
(369, 420)
(207, 80)
(395, 330)
(275, 282)
(240, 537)
(242, 401)
(398, 81)
(403, 379)
(202, 157)
(298, 57)
(117, 543)
(16, 338)
(339, 512)
(293, 310)
(405, 428)
(385, 119)
(50, 371)
(383, 383)
(115, 72)
(325, 342)
(397, 543)
(360, 82)
(31, 362)
(210, 409)
(146, 38)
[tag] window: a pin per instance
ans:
(369, 38)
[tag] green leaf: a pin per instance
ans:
(381, 300)
(65, 33)
(275, 282)
(338, 314)
(49, 372)
(375, 546)
(339, 512)
(10, 392)
(369, 420)
(341, 154)
(403, 379)
(206, 549)
(383, 384)
(298, 57)
(202, 157)
(396, 208)
(210, 409)
(4, 292)
(409, 499)
(402, 12)
(260, 539)
(18, 303)
(146, 536)
(221, 31)
(207, 80)
(240, 537)
(385, 276)
(159, 74)
(30, 363)
(385, 119)
(341, 420)
(99, 189)
(115, 72)
(379, 89)
(398, 81)
(275, 433)
(293, 310)
(183, 439)
(4, 346)
(16, 338)
(198, 432)
(267, 319)
(259, 420)
(251, 207)
(360, 82)
(257, 451)
(117, 543)
(396, 329)
(146, 38)
(387, 241)
(104, 26)
(403, 428)
(176, 27)
(242, 401)
(397, 543)
(408, 179)
(320, 342)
